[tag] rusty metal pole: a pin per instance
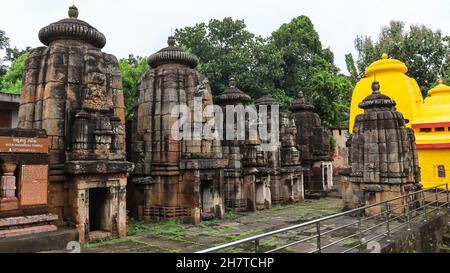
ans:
(424, 207)
(257, 248)
(407, 212)
(388, 228)
(437, 199)
(448, 197)
(319, 243)
(360, 231)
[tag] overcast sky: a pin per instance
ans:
(141, 27)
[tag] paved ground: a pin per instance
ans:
(174, 237)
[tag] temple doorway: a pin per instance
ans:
(99, 222)
(207, 199)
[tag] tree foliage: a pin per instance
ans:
(292, 59)
(12, 80)
(227, 49)
(11, 65)
(4, 44)
(424, 51)
(131, 69)
(310, 68)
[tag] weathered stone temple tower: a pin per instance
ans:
(174, 178)
(383, 155)
(74, 91)
(239, 182)
(314, 145)
(280, 177)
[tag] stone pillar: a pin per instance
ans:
(8, 199)
(122, 212)
(81, 211)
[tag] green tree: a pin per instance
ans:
(12, 80)
(4, 40)
(227, 49)
(131, 70)
(292, 59)
(4, 44)
(424, 51)
(14, 53)
(11, 65)
(310, 68)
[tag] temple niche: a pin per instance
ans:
(174, 179)
(73, 91)
(383, 155)
(313, 142)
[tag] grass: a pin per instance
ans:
(233, 227)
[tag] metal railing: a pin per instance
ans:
(385, 219)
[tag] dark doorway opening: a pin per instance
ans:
(5, 119)
(207, 199)
(98, 209)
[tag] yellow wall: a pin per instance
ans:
(429, 160)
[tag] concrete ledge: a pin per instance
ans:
(39, 242)
(25, 220)
(27, 231)
(12, 98)
(424, 237)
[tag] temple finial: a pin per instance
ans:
(232, 83)
(171, 41)
(376, 87)
(73, 12)
(384, 56)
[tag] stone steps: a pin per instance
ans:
(27, 231)
(26, 220)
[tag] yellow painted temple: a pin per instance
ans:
(429, 118)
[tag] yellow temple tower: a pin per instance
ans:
(391, 74)
(432, 131)
(430, 118)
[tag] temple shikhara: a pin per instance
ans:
(428, 117)
(383, 155)
(75, 169)
(73, 91)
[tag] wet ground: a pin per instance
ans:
(175, 237)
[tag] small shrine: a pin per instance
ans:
(73, 91)
(383, 155)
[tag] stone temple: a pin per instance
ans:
(196, 179)
(174, 179)
(239, 181)
(73, 91)
(76, 175)
(314, 146)
(282, 163)
(383, 155)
